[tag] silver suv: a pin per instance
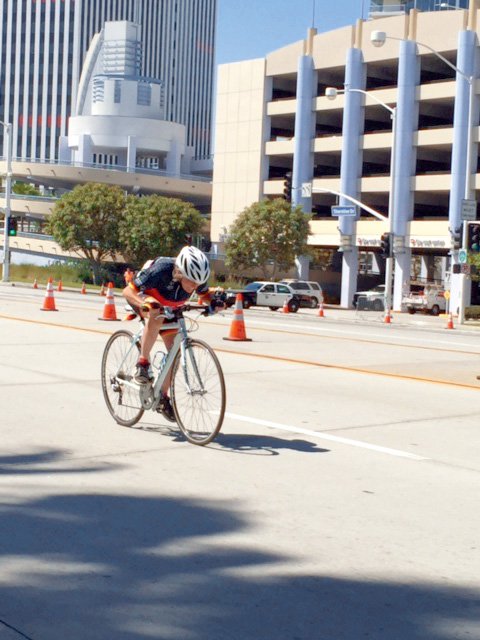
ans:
(307, 288)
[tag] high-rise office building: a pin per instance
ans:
(43, 44)
(383, 8)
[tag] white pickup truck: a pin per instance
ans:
(427, 299)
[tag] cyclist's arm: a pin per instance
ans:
(208, 298)
(138, 300)
(133, 295)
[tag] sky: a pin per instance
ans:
(253, 28)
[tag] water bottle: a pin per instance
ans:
(159, 360)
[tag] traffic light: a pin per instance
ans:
(474, 237)
(385, 245)
(12, 226)
(287, 186)
(456, 236)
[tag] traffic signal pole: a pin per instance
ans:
(468, 171)
(7, 128)
(389, 257)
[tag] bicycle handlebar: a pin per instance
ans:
(175, 312)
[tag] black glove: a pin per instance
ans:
(215, 304)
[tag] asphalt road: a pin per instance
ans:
(339, 502)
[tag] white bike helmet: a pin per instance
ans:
(193, 264)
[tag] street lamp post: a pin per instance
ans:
(7, 128)
(331, 93)
(378, 39)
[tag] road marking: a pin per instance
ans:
(266, 356)
(326, 436)
(55, 324)
(321, 332)
(339, 367)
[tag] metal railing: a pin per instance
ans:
(119, 168)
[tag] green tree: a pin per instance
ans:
(155, 225)
(25, 189)
(86, 221)
(267, 235)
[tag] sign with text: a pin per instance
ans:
(349, 211)
(306, 189)
(468, 210)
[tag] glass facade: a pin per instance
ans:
(43, 44)
(383, 7)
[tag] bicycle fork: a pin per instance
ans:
(200, 390)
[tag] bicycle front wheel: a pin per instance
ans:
(198, 392)
(118, 364)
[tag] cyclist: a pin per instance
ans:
(166, 282)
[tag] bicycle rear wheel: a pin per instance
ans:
(118, 363)
(198, 393)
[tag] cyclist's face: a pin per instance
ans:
(188, 285)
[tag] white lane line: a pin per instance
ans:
(325, 436)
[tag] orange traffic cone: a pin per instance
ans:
(109, 312)
(320, 313)
(83, 289)
(388, 318)
(450, 322)
(35, 285)
(102, 290)
(49, 300)
(237, 328)
(60, 285)
(285, 308)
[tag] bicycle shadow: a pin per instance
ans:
(245, 443)
(257, 444)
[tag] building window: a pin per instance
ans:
(117, 92)
(144, 94)
(98, 90)
(105, 159)
(148, 162)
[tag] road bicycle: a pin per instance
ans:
(197, 386)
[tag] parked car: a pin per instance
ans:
(425, 299)
(307, 288)
(266, 294)
(371, 299)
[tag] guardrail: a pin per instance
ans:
(119, 168)
(22, 196)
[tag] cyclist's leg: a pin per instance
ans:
(153, 324)
(165, 407)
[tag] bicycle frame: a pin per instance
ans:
(191, 371)
(152, 398)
